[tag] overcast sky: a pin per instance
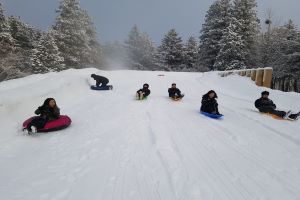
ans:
(115, 18)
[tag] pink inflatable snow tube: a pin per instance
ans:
(62, 122)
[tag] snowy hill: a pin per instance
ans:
(118, 148)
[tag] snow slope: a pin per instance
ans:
(118, 148)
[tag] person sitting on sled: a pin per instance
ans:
(47, 112)
(143, 92)
(266, 105)
(100, 80)
(174, 92)
(209, 103)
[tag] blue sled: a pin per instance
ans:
(107, 87)
(214, 116)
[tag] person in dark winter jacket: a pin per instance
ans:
(47, 112)
(209, 103)
(266, 105)
(174, 92)
(144, 92)
(100, 80)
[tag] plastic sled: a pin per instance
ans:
(177, 98)
(214, 116)
(143, 99)
(277, 117)
(107, 87)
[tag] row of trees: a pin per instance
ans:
(171, 55)
(230, 38)
(70, 42)
(228, 41)
(280, 48)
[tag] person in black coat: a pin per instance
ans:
(47, 112)
(100, 80)
(174, 92)
(266, 105)
(143, 92)
(209, 103)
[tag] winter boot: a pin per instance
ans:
(141, 96)
(25, 130)
(294, 116)
(33, 129)
(286, 116)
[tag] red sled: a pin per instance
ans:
(62, 122)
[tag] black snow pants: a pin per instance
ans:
(38, 122)
(278, 113)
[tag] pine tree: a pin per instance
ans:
(95, 54)
(230, 55)
(191, 54)
(245, 12)
(26, 39)
(280, 49)
(150, 53)
(293, 49)
(286, 45)
(7, 42)
(171, 51)
(141, 50)
(46, 56)
(75, 35)
(24, 35)
(216, 22)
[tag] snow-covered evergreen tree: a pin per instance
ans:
(75, 35)
(216, 22)
(245, 12)
(230, 55)
(191, 54)
(7, 42)
(293, 49)
(26, 39)
(286, 56)
(24, 35)
(46, 57)
(280, 49)
(141, 50)
(171, 51)
(150, 60)
(95, 54)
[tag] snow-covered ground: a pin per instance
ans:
(118, 148)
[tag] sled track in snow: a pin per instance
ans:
(120, 148)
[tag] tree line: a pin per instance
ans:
(231, 37)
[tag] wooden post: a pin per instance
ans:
(267, 78)
(253, 74)
(248, 73)
(259, 77)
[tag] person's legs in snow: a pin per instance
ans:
(104, 83)
(35, 124)
(98, 83)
